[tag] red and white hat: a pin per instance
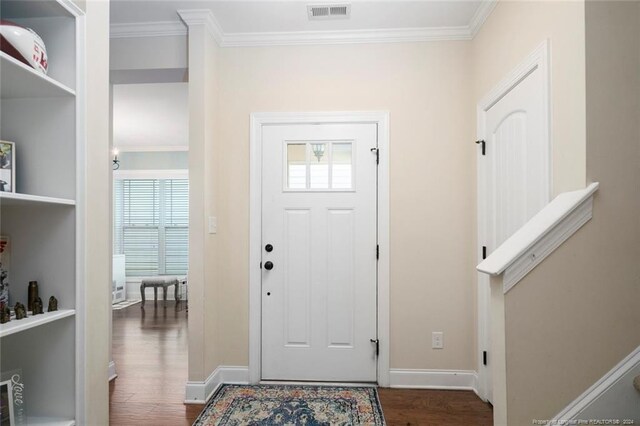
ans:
(23, 44)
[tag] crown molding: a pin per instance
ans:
(394, 35)
(148, 29)
(481, 15)
(203, 17)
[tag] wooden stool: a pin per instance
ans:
(159, 282)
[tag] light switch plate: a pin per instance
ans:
(213, 224)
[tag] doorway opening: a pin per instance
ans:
(150, 216)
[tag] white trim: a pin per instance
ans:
(151, 174)
(80, 210)
(482, 13)
(199, 392)
(539, 237)
(538, 59)
(111, 370)
(434, 379)
(148, 29)
(255, 219)
(394, 35)
(156, 148)
(589, 396)
(288, 38)
(203, 17)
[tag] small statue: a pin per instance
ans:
(21, 311)
(53, 304)
(5, 314)
(37, 306)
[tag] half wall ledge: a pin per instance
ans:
(540, 236)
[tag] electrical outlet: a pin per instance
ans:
(437, 340)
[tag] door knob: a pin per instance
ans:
(268, 248)
(268, 265)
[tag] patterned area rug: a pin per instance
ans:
(285, 405)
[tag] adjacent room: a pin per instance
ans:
(329, 213)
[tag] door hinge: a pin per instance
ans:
(484, 146)
(484, 357)
(378, 251)
(260, 265)
(484, 252)
(377, 342)
(377, 152)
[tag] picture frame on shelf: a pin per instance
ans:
(7, 166)
(5, 267)
(7, 417)
(13, 406)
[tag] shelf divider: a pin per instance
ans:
(18, 80)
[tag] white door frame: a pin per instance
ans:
(381, 119)
(538, 59)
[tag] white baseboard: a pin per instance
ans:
(111, 371)
(607, 381)
(200, 392)
(434, 379)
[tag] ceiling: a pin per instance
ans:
(251, 22)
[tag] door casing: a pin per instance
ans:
(537, 60)
(258, 120)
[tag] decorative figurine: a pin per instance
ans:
(53, 304)
(5, 314)
(21, 311)
(37, 307)
(32, 294)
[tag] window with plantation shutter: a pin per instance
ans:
(151, 225)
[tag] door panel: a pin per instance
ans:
(319, 214)
(513, 180)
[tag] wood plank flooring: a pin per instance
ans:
(150, 352)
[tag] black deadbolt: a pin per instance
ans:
(268, 266)
(268, 248)
(268, 293)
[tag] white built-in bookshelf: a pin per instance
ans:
(44, 116)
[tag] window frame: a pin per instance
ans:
(160, 175)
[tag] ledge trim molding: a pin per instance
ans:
(200, 392)
(292, 38)
(539, 237)
(583, 402)
(434, 379)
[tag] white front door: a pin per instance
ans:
(319, 278)
(514, 177)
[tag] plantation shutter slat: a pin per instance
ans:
(151, 225)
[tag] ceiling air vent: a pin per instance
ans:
(329, 11)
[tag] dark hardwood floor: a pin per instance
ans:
(150, 352)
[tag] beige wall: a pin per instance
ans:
(512, 31)
(98, 224)
(144, 53)
(576, 315)
(426, 87)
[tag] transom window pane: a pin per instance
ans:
(341, 164)
(319, 166)
(297, 166)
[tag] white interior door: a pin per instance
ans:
(319, 279)
(514, 178)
